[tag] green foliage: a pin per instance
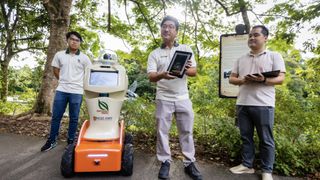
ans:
(220, 135)
(22, 102)
(294, 157)
(297, 122)
(23, 28)
(9, 108)
(139, 116)
(23, 87)
(137, 72)
(22, 80)
(296, 134)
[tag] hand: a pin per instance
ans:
(166, 75)
(243, 81)
(188, 65)
(255, 78)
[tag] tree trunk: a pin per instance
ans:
(4, 81)
(58, 11)
(8, 55)
(244, 13)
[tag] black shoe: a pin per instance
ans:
(49, 145)
(70, 141)
(164, 170)
(193, 172)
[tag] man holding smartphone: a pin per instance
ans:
(256, 101)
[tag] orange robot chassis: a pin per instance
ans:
(99, 156)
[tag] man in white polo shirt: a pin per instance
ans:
(68, 67)
(172, 97)
(256, 101)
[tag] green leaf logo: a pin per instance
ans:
(103, 105)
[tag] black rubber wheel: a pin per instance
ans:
(127, 160)
(128, 139)
(67, 161)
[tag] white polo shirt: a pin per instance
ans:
(257, 94)
(72, 68)
(174, 89)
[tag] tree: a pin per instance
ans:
(237, 7)
(22, 29)
(59, 18)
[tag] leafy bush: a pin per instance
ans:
(221, 136)
(139, 115)
(296, 157)
(24, 102)
(13, 108)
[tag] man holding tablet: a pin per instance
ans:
(172, 97)
(256, 100)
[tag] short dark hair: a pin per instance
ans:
(75, 34)
(171, 18)
(264, 30)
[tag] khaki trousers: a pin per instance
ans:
(182, 110)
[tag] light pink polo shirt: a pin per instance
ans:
(257, 94)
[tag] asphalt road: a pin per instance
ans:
(20, 158)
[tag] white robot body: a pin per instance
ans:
(105, 87)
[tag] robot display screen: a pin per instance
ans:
(103, 78)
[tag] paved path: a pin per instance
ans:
(20, 158)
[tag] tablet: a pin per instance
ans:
(269, 73)
(178, 63)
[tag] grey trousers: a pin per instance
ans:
(184, 119)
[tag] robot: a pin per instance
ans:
(102, 144)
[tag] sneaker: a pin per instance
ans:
(49, 145)
(193, 172)
(241, 169)
(164, 170)
(267, 176)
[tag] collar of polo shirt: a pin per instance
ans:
(263, 52)
(68, 51)
(175, 44)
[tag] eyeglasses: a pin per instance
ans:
(75, 40)
(170, 27)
